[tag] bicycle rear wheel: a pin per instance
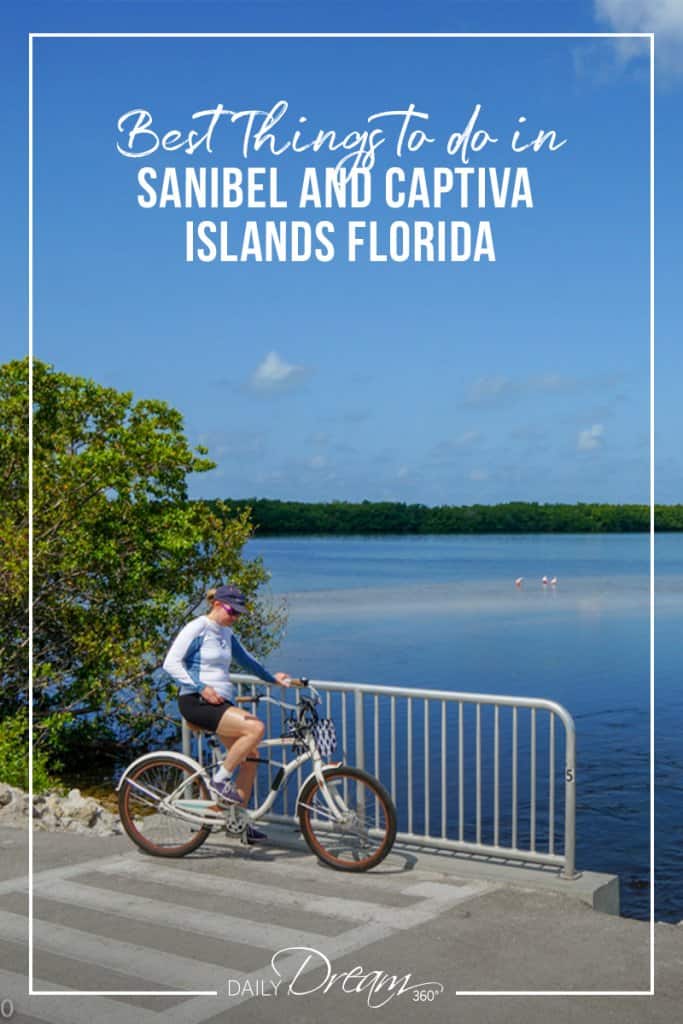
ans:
(153, 829)
(363, 834)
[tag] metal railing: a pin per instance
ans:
(474, 773)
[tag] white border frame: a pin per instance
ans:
(343, 35)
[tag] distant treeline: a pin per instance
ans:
(367, 517)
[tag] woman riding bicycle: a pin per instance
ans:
(199, 661)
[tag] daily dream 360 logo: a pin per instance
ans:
(378, 986)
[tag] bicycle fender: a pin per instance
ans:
(311, 775)
(189, 761)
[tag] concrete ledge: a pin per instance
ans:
(598, 891)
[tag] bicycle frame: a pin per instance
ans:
(175, 805)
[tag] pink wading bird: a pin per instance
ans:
(553, 582)
(518, 581)
(545, 581)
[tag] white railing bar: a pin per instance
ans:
(532, 784)
(393, 748)
(427, 759)
(496, 776)
(551, 788)
(498, 852)
(450, 695)
(461, 774)
(269, 732)
(444, 787)
(514, 776)
(359, 726)
(344, 741)
(410, 764)
(376, 743)
(478, 772)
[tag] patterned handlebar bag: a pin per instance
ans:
(324, 734)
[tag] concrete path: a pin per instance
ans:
(221, 933)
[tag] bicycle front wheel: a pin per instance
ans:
(360, 832)
(151, 827)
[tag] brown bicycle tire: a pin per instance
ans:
(311, 838)
(127, 817)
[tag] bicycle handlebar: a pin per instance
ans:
(295, 683)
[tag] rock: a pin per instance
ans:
(108, 824)
(19, 804)
(47, 823)
(53, 812)
(13, 821)
(81, 809)
(78, 827)
(6, 794)
(54, 805)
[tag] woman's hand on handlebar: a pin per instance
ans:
(210, 696)
(286, 681)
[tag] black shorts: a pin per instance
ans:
(199, 712)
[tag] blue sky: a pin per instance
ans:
(522, 379)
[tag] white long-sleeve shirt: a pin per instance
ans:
(201, 654)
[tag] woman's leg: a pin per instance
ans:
(241, 732)
(245, 777)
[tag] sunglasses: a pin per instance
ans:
(229, 609)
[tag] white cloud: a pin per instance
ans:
(454, 448)
(550, 382)
(497, 388)
(464, 440)
(317, 462)
(479, 474)
(233, 444)
(663, 17)
(274, 376)
(489, 389)
(642, 15)
(590, 438)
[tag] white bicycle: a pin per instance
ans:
(346, 815)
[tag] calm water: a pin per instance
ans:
(443, 612)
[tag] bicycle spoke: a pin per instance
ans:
(352, 840)
(146, 802)
(319, 811)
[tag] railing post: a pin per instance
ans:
(359, 716)
(569, 871)
(360, 729)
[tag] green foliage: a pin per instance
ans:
(14, 756)
(375, 517)
(121, 557)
